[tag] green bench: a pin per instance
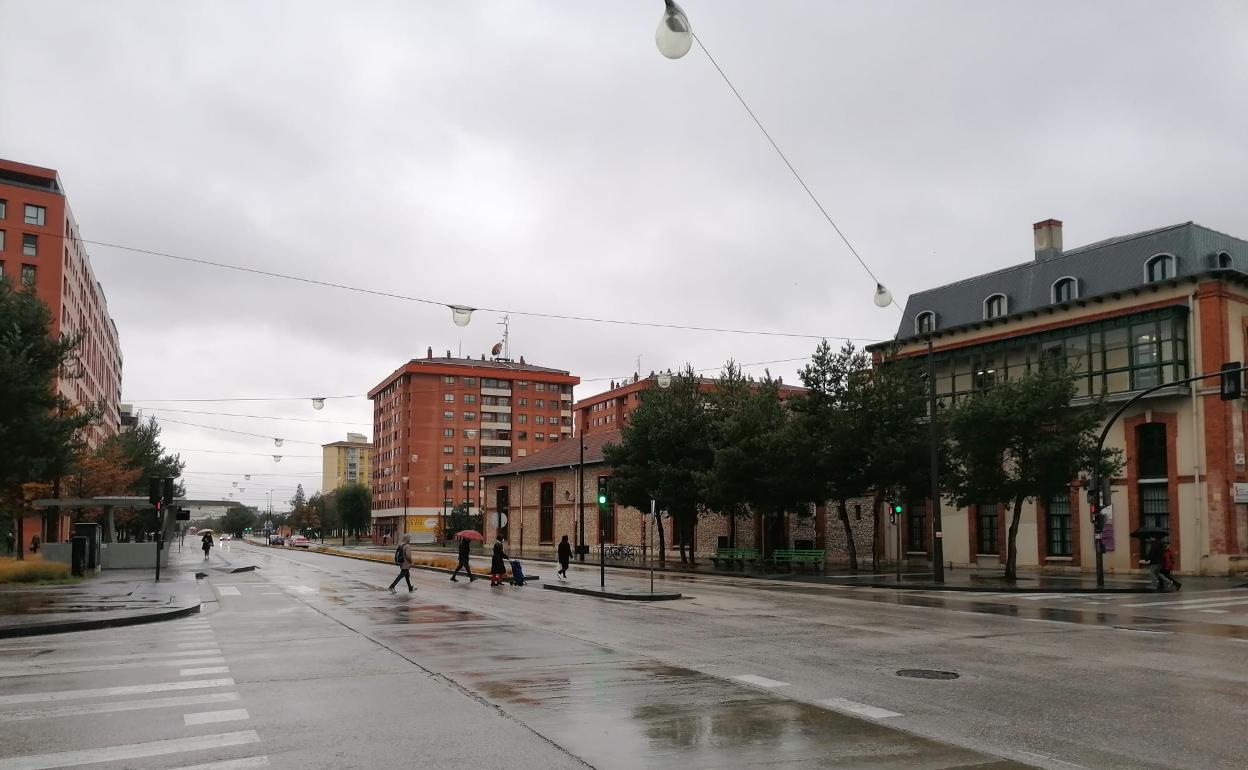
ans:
(794, 557)
(734, 556)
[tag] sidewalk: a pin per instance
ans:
(112, 598)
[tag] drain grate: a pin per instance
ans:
(927, 673)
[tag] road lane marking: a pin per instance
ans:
(245, 763)
(104, 692)
(860, 709)
(1216, 612)
(103, 658)
(759, 681)
(204, 671)
(1142, 630)
(205, 645)
(48, 669)
(212, 717)
(229, 591)
(130, 751)
(1050, 759)
(115, 706)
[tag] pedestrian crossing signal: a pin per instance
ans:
(603, 496)
(1232, 384)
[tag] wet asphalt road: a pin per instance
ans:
(332, 671)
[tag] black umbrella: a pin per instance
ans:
(1150, 531)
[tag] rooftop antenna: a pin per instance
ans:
(637, 369)
(505, 323)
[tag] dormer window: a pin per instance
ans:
(1224, 260)
(996, 306)
(1065, 289)
(1159, 268)
(925, 322)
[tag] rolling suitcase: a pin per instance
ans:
(517, 573)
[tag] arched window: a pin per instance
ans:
(1159, 268)
(1065, 289)
(996, 306)
(925, 322)
(1224, 260)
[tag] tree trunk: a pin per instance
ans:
(877, 526)
(1011, 544)
(732, 530)
(850, 547)
(690, 531)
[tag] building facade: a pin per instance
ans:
(1125, 314)
(346, 462)
(609, 410)
(40, 248)
(533, 502)
(439, 423)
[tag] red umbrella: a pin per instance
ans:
(470, 534)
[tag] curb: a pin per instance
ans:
(995, 589)
(90, 625)
(604, 594)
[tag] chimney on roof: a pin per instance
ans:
(522, 360)
(636, 377)
(482, 356)
(1048, 236)
(448, 354)
(429, 352)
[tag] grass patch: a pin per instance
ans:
(34, 570)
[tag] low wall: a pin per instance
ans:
(113, 555)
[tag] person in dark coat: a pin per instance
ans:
(498, 564)
(565, 556)
(207, 543)
(465, 546)
(405, 565)
(1157, 564)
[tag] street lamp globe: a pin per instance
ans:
(277, 458)
(674, 37)
(461, 314)
(277, 442)
(883, 297)
(665, 381)
(318, 404)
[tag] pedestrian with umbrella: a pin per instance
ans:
(1160, 557)
(207, 542)
(465, 544)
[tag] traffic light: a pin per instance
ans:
(1232, 381)
(168, 490)
(153, 491)
(604, 496)
(894, 513)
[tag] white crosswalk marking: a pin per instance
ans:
(204, 671)
(760, 681)
(1203, 597)
(46, 668)
(229, 591)
(246, 763)
(212, 717)
(860, 709)
(104, 692)
(118, 706)
(129, 751)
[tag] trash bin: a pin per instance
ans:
(78, 555)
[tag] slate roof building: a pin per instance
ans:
(1127, 314)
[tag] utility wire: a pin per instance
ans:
(161, 409)
(425, 301)
(239, 432)
(257, 454)
(792, 170)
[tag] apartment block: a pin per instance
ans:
(346, 462)
(438, 422)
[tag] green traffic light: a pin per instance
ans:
(896, 509)
(602, 499)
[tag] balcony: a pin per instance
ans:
(565, 397)
(488, 460)
(495, 442)
(496, 408)
(488, 425)
(496, 392)
(565, 412)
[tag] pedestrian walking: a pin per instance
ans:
(565, 556)
(403, 558)
(1157, 564)
(207, 543)
(1167, 565)
(465, 546)
(34, 544)
(8, 542)
(498, 564)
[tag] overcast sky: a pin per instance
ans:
(543, 157)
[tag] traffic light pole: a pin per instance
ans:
(938, 533)
(1230, 390)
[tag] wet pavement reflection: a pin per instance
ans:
(613, 709)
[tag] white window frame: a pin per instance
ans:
(1074, 295)
(918, 321)
(1148, 267)
(1005, 305)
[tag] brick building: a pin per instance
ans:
(439, 423)
(537, 496)
(609, 410)
(40, 248)
(1126, 314)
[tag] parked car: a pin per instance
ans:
(276, 540)
(298, 541)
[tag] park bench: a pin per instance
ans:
(734, 557)
(795, 557)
